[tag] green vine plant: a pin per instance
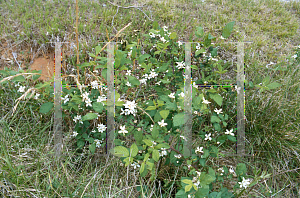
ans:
(147, 124)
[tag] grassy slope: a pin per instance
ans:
(272, 117)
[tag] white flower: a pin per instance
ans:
(130, 107)
(237, 89)
(101, 98)
(194, 85)
(205, 82)
(21, 89)
(169, 33)
(295, 56)
(162, 124)
(182, 94)
(177, 156)
(129, 53)
(78, 117)
(229, 132)
(135, 165)
(17, 85)
(205, 101)
(222, 37)
(198, 173)
(153, 74)
(128, 84)
(163, 39)
(179, 43)
(171, 95)
(152, 35)
(85, 96)
(199, 150)
(74, 134)
(94, 84)
(198, 46)
(245, 183)
(165, 28)
(207, 137)
(36, 96)
(195, 112)
(218, 111)
(183, 137)
(123, 130)
(163, 153)
(222, 171)
(151, 127)
(195, 181)
(66, 99)
(154, 143)
(93, 131)
(101, 128)
(88, 103)
(128, 73)
(231, 170)
(98, 143)
(144, 80)
(180, 65)
(158, 83)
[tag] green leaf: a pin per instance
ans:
(46, 107)
(206, 179)
(214, 52)
(19, 79)
(227, 29)
(133, 80)
(202, 161)
(134, 150)
(266, 80)
(217, 126)
(146, 157)
(148, 142)
(173, 35)
(150, 165)
(89, 116)
(97, 49)
(273, 85)
(164, 113)
(92, 148)
(142, 167)
(210, 36)
(181, 194)
(178, 119)
(217, 98)
(155, 25)
(98, 107)
(151, 108)
(142, 58)
(199, 32)
(92, 55)
(155, 155)
(188, 187)
(241, 169)
(80, 143)
(231, 138)
(84, 65)
(215, 119)
(187, 181)
(121, 151)
(138, 135)
(202, 192)
(104, 73)
(155, 132)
